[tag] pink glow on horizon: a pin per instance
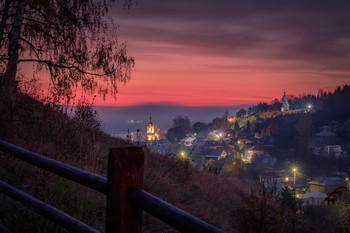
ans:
(230, 54)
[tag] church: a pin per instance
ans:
(153, 132)
(284, 103)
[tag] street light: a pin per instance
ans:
(295, 174)
(309, 107)
(182, 155)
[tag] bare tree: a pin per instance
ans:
(72, 40)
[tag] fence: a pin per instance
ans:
(125, 198)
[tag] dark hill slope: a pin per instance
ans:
(45, 129)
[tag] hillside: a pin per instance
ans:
(45, 129)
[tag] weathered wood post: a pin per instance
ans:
(125, 170)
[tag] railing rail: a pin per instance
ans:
(125, 198)
(48, 211)
(75, 174)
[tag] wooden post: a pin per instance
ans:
(125, 170)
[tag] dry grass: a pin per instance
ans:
(44, 130)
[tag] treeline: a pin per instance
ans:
(182, 127)
(334, 104)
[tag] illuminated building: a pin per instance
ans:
(151, 135)
(284, 103)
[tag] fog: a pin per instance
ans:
(116, 120)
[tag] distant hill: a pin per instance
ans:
(117, 119)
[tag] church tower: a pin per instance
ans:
(284, 103)
(151, 136)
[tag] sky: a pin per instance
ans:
(227, 52)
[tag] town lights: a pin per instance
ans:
(295, 174)
(182, 155)
(309, 107)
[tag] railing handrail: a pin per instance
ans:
(138, 198)
(168, 213)
(85, 178)
(50, 212)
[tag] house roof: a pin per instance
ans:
(325, 134)
(257, 147)
(187, 139)
(269, 160)
(214, 153)
(212, 143)
(200, 139)
(314, 194)
(326, 181)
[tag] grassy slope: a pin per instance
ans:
(37, 127)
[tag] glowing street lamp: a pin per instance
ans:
(182, 155)
(347, 181)
(295, 174)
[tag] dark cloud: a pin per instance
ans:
(307, 32)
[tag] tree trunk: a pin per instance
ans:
(14, 35)
(4, 19)
(8, 87)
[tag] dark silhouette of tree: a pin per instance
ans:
(86, 115)
(248, 126)
(261, 107)
(236, 127)
(217, 123)
(275, 105)
(287, 199)
(182, 122)
(175, 134)
(241, 112)
(181, 127)
(305, 129)
(71, 40)
(201, 129)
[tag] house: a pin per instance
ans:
(161, 146)
(254, 152)
(215, 135)
(268, 161)
(333, 150)
(187, 141)
(312, 198)
(212, 144)
(325, 136)
(216, 154)
(325, 184)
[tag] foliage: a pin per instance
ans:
(333, 196)
(236, 127)
(181, 128)
(86, 115)
(182, 122)
(241, 112)
(71, 40)
(259, 212)
(201, 129)
(287, 199)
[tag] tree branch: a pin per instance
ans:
(4, 19)
(51, 64)
(35, 50)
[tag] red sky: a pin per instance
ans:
(204, 53)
